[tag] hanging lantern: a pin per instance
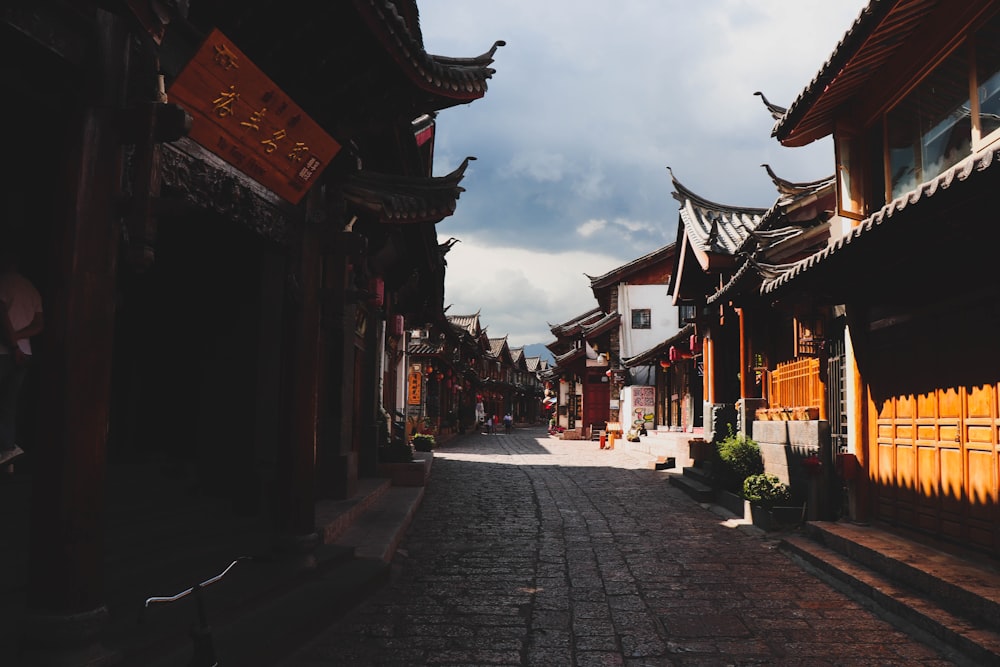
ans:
(676, 354)
(440, 376)
(695, 344)
(430, 369)
(664, 364)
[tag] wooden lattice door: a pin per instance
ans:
(937, 463)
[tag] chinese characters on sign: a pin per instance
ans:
(244, 118)
(414, 389)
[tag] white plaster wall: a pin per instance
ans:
(663, 317)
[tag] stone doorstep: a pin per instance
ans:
(378, 533)
(951, 600)
(333, 517)
(899, 605)
(412, 473)
(366, 531)
(700, 492)
(963, 585)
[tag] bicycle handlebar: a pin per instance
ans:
(207, 582)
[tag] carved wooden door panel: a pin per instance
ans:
(937, 463)
(981, 436)
(596, 401)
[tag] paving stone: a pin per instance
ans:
(534, 551)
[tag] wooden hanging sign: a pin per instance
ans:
(244, 118)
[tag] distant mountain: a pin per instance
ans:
(539, 350)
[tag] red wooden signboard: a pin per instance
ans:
(244, 118)
(413, 396)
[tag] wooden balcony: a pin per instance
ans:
(795, 391)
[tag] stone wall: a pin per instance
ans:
(783, 445)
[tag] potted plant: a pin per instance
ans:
(740, 457)
(423, 442)
(769, 499)
(396, 451)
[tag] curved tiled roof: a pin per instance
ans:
(457, 78)
(881, 29)
(406, 199)
(711, 227)
(659, 350)
(419, 348)
(574, 326)
(774, 228)
(617, 274)
(468, 323)
(790, 192)
(964, 171)
(572, 355)
(603, 325)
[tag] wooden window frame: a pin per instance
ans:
(851, 158)
(648, 318)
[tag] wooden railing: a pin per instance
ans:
(796, 384)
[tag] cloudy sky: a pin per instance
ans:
(591, 102)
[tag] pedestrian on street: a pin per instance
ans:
(508, 422)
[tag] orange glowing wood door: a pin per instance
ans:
(937, 463)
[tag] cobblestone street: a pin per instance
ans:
(529, 550)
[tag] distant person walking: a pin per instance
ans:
(508, 423)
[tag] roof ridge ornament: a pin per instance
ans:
(777, 112)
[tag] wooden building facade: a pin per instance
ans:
(229, 212)
(911, 99)
(858, 311)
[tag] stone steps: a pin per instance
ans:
(951, 601)
(695, 487)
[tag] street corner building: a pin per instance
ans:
(229, 210)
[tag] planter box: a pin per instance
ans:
(732, 502)
(412, 473)
(776, 518)
(700, 450)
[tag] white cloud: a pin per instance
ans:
(592, 226)
(519, 291)
(538, 166)
(586, 110)
(634, 225)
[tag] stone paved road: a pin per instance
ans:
(528, 550)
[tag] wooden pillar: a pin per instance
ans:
(338, 471)
(298, 525)
(864, 431)
(65, 600)
(744, 354)
(709, 371)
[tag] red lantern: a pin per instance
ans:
(440, 376)
(664, 364)
(608, 372)
(676, 354)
